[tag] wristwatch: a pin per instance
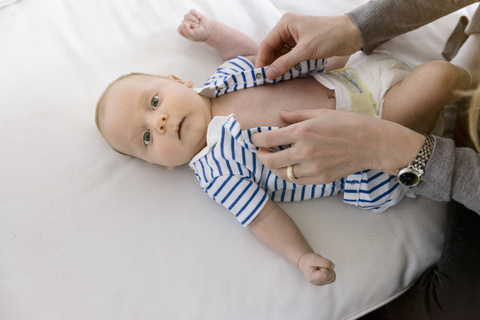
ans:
(410, 176)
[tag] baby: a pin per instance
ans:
(162, 120)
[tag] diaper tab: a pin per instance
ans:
(361, 98)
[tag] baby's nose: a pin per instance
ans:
(160, 122)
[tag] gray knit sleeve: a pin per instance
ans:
(452, 173)
(381, 20)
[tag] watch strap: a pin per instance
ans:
(410, 176)
(421, 160)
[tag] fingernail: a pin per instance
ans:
(272, 72)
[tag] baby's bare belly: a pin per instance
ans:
(260, 106)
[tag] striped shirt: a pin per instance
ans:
(230, 173)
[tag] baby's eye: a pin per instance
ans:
(146, 137)
(154, 102)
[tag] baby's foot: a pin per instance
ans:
(468, 59)
(467, 56)
(195, 26)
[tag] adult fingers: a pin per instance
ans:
(306, 178)
(302, 115)
(275, 41)
(273, 138)
(284, 63)
(302, 175)
(277, 160)
(268, 49)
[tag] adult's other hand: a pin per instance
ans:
(328, 144)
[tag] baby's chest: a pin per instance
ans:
(261, 105)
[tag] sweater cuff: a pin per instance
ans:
(436, 182)
(367, 17)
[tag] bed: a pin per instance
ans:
(86, 233)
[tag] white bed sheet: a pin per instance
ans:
(88, 234)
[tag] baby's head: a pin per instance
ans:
(157, 119)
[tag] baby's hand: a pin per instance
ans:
(196, 27)
(317, 269)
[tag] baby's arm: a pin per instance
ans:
(230, 42)
(278, 231)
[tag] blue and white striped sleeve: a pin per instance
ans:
(232, 66)
(241, 195)
(373, 190)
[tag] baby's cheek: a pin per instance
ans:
(173, 155)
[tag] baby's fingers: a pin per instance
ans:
(189, 17)
(194, 13)
(186, 30)
(317, 269)
(322, 276)
(315, 261)
(195, 26)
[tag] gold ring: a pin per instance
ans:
(290, 174)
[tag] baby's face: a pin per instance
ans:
(159, 120)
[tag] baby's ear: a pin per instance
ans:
(189, 83)
(170, 168)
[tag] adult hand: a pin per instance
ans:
(311, 37)
(330, 144)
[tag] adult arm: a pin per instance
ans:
(452, 174)
(381, 20)
(366, 27)
(331, 144)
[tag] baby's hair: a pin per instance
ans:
(100, 102)
(474, 117)
(473, 114)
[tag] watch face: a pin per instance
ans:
(409, 179)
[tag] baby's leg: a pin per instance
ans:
(417, 101)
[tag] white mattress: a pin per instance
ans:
(86, 233)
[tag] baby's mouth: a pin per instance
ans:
(180, 129)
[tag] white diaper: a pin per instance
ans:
(362, 84)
